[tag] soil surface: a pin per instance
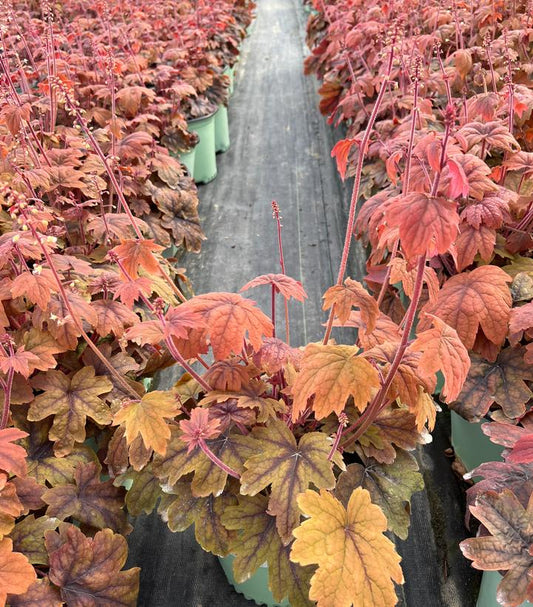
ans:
(280, 150)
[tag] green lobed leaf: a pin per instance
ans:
(390, 486)
(232, 449)
(258, 542)
(144, 492)
(71, 399)
(43, 465)
(28, 537)
(180, 509)
(289, 467)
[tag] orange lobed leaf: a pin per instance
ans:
(228, 318)
(442, 350)
(472, 241)
(146, 418)
(138, 253)
(401, 273)
(287, 286)
(12, 457)
(274, 355)
(113, 317)
(427, 224)
(476, 173)
(20, 362)
(332, 374)
(458, 184)
(130, 292)
(385, 330)
(352, 294)
(357, 564)
(472, 300)
(37, 286)
(16, 573)
(178, 321)
(227, 375)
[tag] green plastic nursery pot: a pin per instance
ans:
(172, 251)
(475, 448)
(256, 587)
(188, 159)
(487, 591)
(222, 129)
(471, 445)
(205, 162)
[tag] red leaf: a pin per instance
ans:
(427, 224)
(287, 286)
(198, 428)
(340, 151)
(458, 185)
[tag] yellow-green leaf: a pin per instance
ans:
(332, 374)
(289, 467)
(357, 564)
(147, 418)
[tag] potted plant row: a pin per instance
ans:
(463, 75)
(88, 190)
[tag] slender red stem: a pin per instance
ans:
(218, 462)
(356, 187)
(375, 406)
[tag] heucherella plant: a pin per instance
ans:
(90, 196)
(449, 160)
